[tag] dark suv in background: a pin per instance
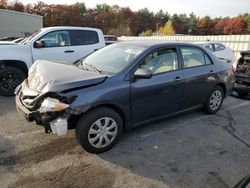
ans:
(242, 74)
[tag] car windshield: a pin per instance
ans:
(112, 59)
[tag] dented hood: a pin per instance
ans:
(46, 76)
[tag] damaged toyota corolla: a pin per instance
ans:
(120, 87)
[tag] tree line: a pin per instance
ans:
(122, 21)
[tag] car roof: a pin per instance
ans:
(110, 36)
(69, 28)
(151, 43)
(206, 42)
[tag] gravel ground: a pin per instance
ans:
(191, 150)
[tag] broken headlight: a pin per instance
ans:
(53, 105)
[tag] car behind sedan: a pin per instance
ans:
(120, 87)
(242, 74)
(220, 50)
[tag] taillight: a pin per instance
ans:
(234, 68)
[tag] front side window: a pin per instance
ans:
(161, 61)
(56, 39)
(209, 47)
(193, 57)
(85, 37)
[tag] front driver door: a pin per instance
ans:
(58, 47)
(162, 93)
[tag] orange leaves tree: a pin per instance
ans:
(123, 21)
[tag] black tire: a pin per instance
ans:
(10, 78)
(208, 108)
(88, 122)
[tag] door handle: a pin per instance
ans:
(69, 51)
(211, 71)
(177, 79)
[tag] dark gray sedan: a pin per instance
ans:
(120, 87)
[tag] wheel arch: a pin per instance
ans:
(111, 106)
(223, 86)
(14, 63)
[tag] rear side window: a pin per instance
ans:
(193, 57)
(84, 37)
(218, 47)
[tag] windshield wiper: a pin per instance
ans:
(93, 67)
(81, 66)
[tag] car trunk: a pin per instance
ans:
(243, 68)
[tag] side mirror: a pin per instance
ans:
(143, 73)
(39, 44)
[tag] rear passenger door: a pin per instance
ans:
(85, 42)
(199, 73)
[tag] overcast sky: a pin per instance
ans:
(213, 8)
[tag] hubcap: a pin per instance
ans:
(102, 132)
(9, 81)
(215, 100)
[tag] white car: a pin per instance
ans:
(220, 50)
(67, 44)
(16, 41)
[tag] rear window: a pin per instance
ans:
(85, 37)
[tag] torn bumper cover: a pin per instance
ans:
(45, 110)
(55, 122)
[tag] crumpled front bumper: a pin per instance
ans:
(55, 122)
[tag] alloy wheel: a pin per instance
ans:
(9, 81)
(215, 100)
(102, 132)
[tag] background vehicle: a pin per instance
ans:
(52, 43)
(242, 74)
(110, 39)
(221, 51)
(123, 86)
(8, 38)
(9, 42)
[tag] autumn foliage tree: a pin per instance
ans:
(235, 26)
(3, 4)
(168, 29)
(123, 21)
(149, 32)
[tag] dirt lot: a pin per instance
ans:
(192, 150)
